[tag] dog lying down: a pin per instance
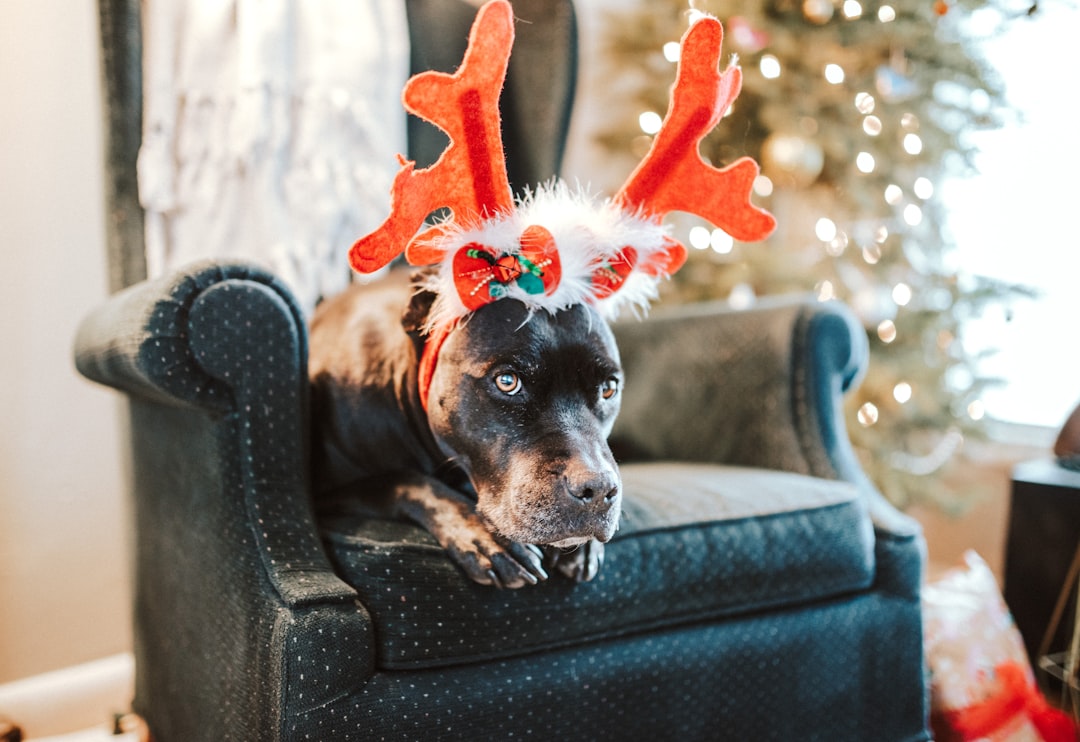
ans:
(478, 401)
(509, 468)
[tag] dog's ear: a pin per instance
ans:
(416, 311)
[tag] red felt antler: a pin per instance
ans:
(673, 177)
(470, 177)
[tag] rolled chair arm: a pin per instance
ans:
(230, 571)
(140, 342)
(227, 339)
(759, 387)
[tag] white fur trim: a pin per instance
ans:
(588, 234)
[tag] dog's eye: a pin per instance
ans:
(609, 388)
(508, 383)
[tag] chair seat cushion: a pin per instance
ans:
(695, 542)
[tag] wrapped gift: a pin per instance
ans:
(982, 684)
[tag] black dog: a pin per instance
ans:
(509, 468)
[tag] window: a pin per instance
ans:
(1019, 219)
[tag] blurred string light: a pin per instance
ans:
(825, 290)
(886, 14)
(868, 414)
(770, 66)
(825, 229)
(852, 9)
(902, 392)
(699, 238)
(702, 238)
(672, 51)
(721, 242)
(650, 122)
(834, 74)
(872, 125)
(864, 161)
(886, 330)
(976, 409)
(894, 194)
(923, 188)
(912, 143)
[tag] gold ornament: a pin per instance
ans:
(791, 161)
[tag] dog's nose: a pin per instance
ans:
(597, 492)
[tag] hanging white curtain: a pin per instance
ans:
(270, 132)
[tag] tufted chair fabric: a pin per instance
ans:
(758, 589)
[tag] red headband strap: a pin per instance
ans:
(429, 357)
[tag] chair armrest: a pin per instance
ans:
(140, 342)
(228, 340)
(230, 573)
(759, 387)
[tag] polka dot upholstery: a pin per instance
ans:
(745, 596)
(746, 678)
(755, 539)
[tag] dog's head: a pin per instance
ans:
(525, 402)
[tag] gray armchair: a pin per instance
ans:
(759, 588)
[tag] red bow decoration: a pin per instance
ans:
(610, 278)
(482, 275)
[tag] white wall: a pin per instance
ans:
(64, 588)
(1014, 221)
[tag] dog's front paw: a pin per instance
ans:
(492, 561)
(581, 564)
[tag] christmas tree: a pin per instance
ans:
(857, 110)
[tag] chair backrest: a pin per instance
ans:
(121, 59)
(536, 102)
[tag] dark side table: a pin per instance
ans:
(1044, 530)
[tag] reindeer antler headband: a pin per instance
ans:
(554, 248)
